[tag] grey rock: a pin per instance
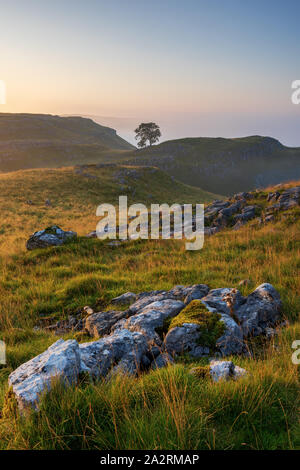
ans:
(121, 351)
(214, 300)
(231, 342)
(30, 380)
(162, 360)
(242, 196)
(196, 292)
(152, 316)
(182, 338)
(100, 323)
(247, 213)
(221, 370)
(127, 298)
(261, 309)
(52, 236)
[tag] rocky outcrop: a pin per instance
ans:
(236, 211)
(143, 338)
(51, 236)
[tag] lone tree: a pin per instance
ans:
(147, 131)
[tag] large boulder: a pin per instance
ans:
(30, 380)
(51, 236)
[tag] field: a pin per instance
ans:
(164, 409)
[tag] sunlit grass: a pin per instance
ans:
(168, 408)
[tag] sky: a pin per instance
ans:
(196, 67)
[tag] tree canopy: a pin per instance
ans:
(147, 132)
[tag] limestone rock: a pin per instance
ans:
(127, 298)
(61, 360)
(163, 360)
(120, 351)
(51, 236)
(100, 323)
(261, 309)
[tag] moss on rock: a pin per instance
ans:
(210, 326)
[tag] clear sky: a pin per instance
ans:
(196, 67)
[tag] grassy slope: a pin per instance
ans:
(167, 408)
(225, 165)
(75, 194)
(34, 141)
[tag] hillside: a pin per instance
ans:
(41, 140)
(161, 409)
(224, 166)
(74, 194)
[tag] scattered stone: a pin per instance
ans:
(124, 299)
(221, 370)
(198, 291)
(247, 213)
(51, 236)
(259, 310)
(162, 360)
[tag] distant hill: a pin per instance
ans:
(42, 140)
(224, 166)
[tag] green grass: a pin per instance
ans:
(164, 409)
(44, 141)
